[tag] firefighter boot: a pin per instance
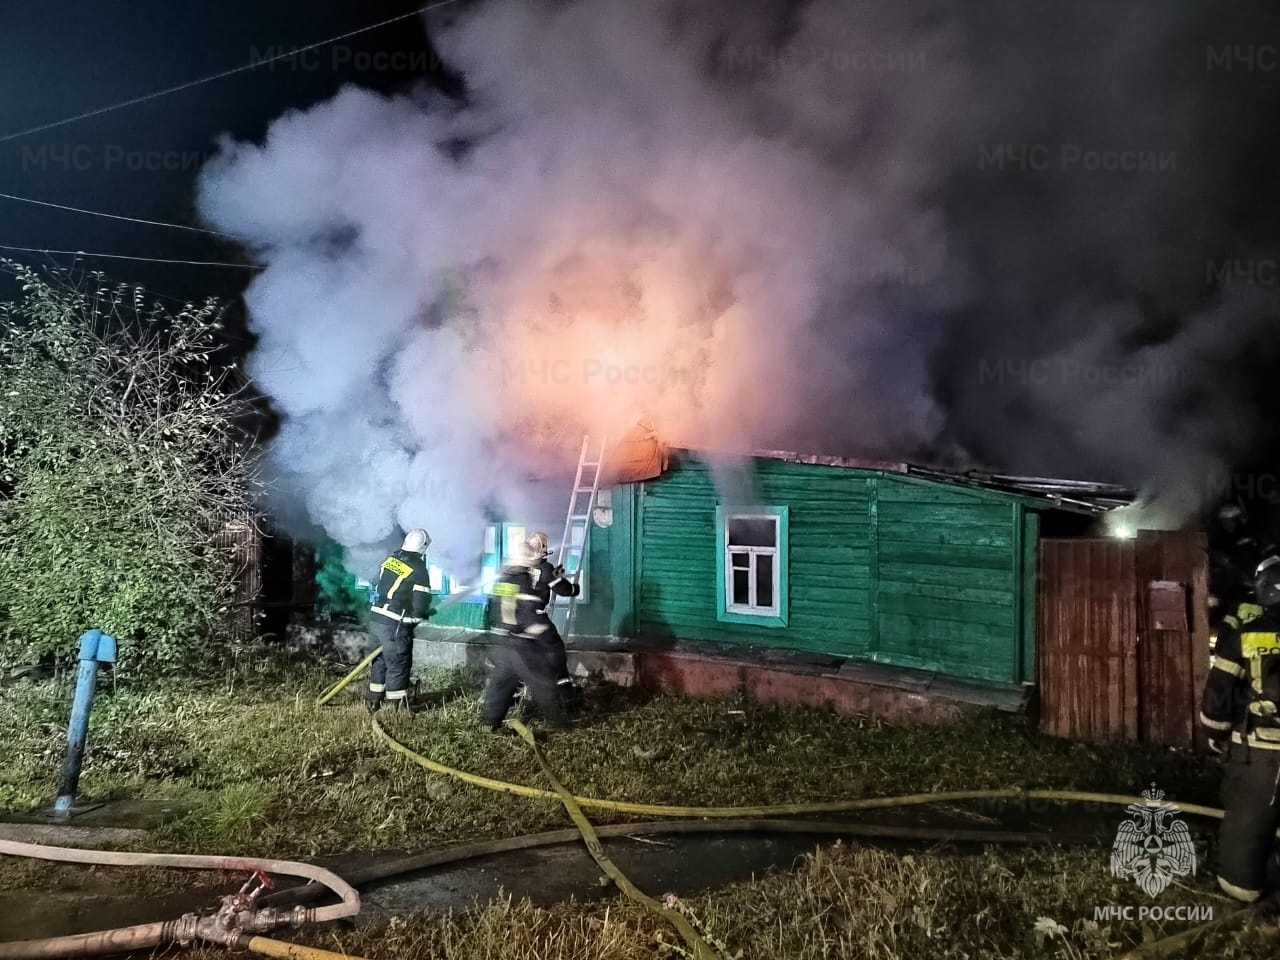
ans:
(398, 700)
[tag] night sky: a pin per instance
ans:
(1020, 243)
(59, 59)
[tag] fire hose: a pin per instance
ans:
(240, 920)
(573, 804)
(359, 668)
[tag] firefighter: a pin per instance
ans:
(1241, 712)
(533, 652)
(1234, 553)
(401, 601)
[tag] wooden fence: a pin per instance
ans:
(1123, 637)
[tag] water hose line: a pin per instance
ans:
(774, 810)
(184, 929)
(701, 949)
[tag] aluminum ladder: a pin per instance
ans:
(577, 522)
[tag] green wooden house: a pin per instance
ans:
(881, 563)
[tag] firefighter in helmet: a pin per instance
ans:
(401, 601)
(533, 653)
(1241, 713)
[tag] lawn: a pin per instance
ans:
(266, 772)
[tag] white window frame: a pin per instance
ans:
(755, 555)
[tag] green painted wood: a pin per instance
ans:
(894, 569)
(963, 577)
(937, 591)
(956, 649)
(470, 614)
(934, 555)
(949, 534)
(873, 567)
(1030, 593)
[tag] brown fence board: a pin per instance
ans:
(1086, 623)
(1106, 673)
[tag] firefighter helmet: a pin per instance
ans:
(416, 541)
(1266, 582)
(537, 546)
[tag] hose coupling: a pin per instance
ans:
(184, 931)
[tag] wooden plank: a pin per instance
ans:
(942, 575)
(1046, 561)
(1129, 653)
(987, 514)
(983, 558)
(914, 588)
(948, 534)
(959, 611)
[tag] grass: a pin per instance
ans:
(267, 773)
(841, 903)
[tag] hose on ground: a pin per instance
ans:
(360, 667)
(155, 934)
(384, 870)
(774, 810)
(293, 951)
(701, 949)
(338, 687)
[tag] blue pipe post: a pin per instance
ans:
(96, 648)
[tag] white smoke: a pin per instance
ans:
(724, 218)
(624, 237)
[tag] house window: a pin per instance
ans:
(504, 544)
(751, 565)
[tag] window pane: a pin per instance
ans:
(741, 559)
(764, 581)
(741, 587)
(753, 532)
(514, 547)
(490, 539)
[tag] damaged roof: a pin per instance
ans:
(642, 455)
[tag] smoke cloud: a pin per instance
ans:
(861, 227)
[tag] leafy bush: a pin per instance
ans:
(122, 454)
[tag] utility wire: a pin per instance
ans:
(113, 216)
(218, 76)
(120, 256)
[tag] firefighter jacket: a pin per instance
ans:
(403, 593)
(1242, 694)
(523, 593)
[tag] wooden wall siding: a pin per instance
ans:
(899, 571)
(240, 540)
(829, 558)
(949, 574)
(1172, 664)
(1088, 645)
(1106, 672)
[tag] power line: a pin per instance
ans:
(218, 76)
(114, 216)
(121, 256)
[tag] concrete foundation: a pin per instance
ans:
(699, 670)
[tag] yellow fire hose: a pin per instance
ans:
(338, 687)
(574, 804)
(291, 951)
(701, 949)
(772, 810)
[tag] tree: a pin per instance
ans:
(123, 450)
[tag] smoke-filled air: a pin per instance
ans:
(750, 225)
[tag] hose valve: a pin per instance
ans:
(237, 908)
